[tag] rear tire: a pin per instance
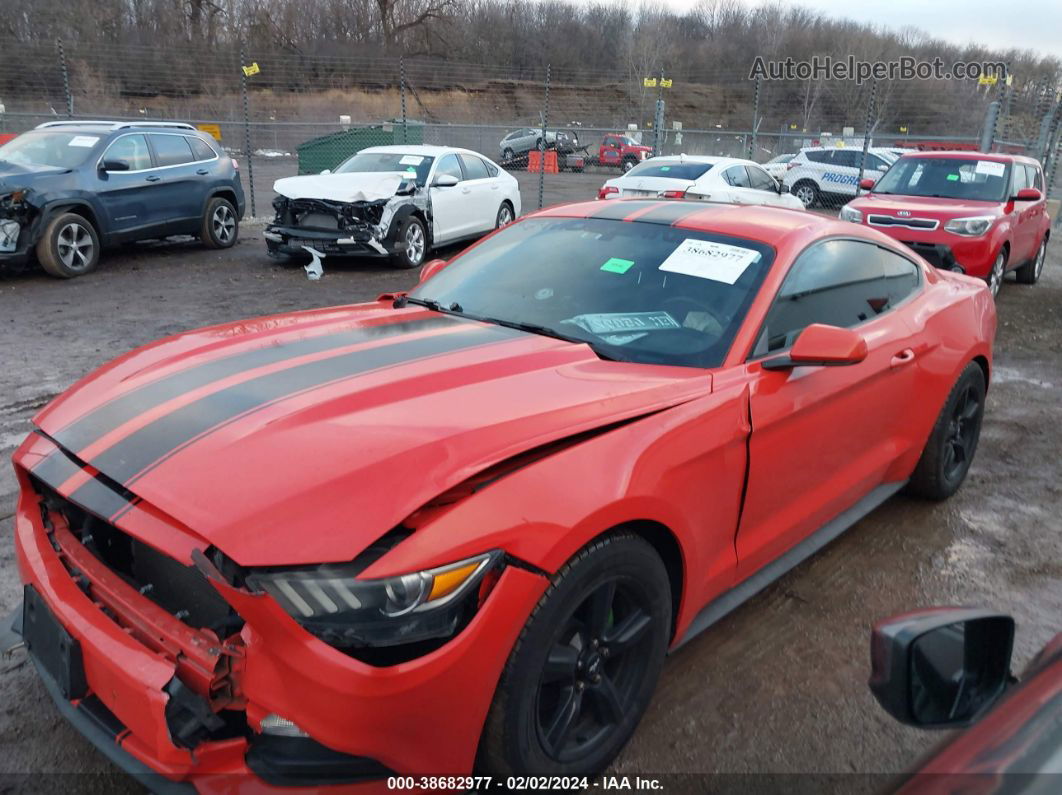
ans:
(507, 155)
(585, 666)
(221, 226)
(413, 237)
(628, 164)
(505, 215)
(807, 192)
(1029, 273)
(69, 247)
(950, 450)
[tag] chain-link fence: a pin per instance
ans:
(291, 113)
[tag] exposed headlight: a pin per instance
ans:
(9, 235)
(344, 611)
(971, 227)
(851, 214)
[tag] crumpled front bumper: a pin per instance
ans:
(293, 240)
(421, 717)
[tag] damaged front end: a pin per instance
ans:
(356, 228)
(19, 219)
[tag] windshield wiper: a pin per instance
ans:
(429, 303)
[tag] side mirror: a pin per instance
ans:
(822, 346)
(326, 171)
(866, 183)
(1028, 195)
(942, 667)
(444, 181)
(430, 268)
(114, 165)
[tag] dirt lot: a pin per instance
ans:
(779, 687)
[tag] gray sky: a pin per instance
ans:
(1029, 24)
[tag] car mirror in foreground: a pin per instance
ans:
(114, 165)
(1028, 195)
(445, 181)
(866, 183)
(326, 172)
(942, 667)
(819, 346)
(430, 268)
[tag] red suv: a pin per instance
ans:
(982, 214)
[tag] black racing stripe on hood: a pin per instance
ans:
(621, 210)
(149, 446)
(96, 495)
(671, 213)
(113, 414)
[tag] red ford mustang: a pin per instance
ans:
(457, 531)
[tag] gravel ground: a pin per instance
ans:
(779, 687)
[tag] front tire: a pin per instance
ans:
(69, 247)
(507, 155)
(995, 276)
(807, 192)
(950, 450)
(221, 226)
(582, 671)
(628, 164)
(413, 238)
(1029, 273)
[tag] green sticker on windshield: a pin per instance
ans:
(953, 177)
(617, 265)
(665, 168)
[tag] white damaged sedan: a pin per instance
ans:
(727, 180)
(392, 201)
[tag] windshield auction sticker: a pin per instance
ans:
(411, 160)
(703, 259)
(612, 322)
(990, 167)
(87, 141)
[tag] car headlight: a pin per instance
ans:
(9, 235)
(332, 603)
(971, 227)
(851, 214)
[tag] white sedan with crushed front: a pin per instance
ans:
(392, 201)
(726, 180)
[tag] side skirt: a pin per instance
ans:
(736, 596)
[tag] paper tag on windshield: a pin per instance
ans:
(703, 259)
(86, 141)
(990, 167)
(624, 322)
(411, 160)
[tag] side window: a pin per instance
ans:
(845, 158)
(761, 180)
(171, 150)
(902, 277)
(492, 169)
(1034, 178)
(449, 165)
(818, 156)
(201, 149)
(836, 282)
(1019, 178)
(875, 163)
(131, 150)
(474, 167)
(737, 176)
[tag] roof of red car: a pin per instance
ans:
(1000, 157)
(767, 224)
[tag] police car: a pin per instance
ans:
(820, 174)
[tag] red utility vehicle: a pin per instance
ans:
(457, 531)
(622, 151)
(981, 214)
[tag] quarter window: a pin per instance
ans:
(171, 150)
(839, 283)
(201, 149)
(131, 150)
(842, 158)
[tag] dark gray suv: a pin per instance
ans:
(69, 189)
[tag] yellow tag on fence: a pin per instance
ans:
(253, 69)
(665, 82)
(987, 80)
(210, 129)
(649, 82)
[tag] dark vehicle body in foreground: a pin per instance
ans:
(949, 667)
(70, 189)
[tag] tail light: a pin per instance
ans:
(235, 164)
(606, 191)
(673, 194)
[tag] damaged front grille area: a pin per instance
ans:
(358, 219)
(16, 213)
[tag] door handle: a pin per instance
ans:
(466, 190)
(202, 172)
(905, 356)
(153, 178)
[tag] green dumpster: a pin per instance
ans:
(328, 151)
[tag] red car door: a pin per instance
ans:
(1023, 217)
(824, 437)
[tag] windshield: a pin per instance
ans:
(675, 169)
(637, 292)
(412, 165)
(947, 178)
(50, 149)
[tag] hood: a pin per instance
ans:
(922, 206)
(347, 188)
(304, 438)
(20, 177)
